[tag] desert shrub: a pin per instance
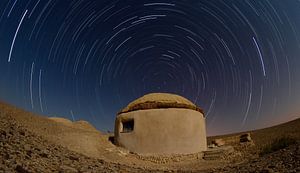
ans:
(278, 144)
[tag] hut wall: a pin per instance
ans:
(161, 131)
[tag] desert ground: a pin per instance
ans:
(34, 143)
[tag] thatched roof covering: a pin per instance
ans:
(160, 100)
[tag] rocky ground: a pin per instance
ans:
(23, 151)
(29, 143)
(285, 160)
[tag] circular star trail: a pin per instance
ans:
(87, 59)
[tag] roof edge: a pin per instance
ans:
(160, 105)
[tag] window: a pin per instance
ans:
(128, 126)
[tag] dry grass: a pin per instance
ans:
(160, 105)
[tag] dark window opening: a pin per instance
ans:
(128, 126)
(111, 139)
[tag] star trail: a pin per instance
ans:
(87, 59)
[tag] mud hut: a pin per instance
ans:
(161, 123)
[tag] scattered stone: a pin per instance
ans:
(21, 169)
(73, 158)
(218, 142)
(267, 170)
(44, 153)
(22, 132)
(245, 138)
(217, 153)
(271, 166)
(6, 156)
(211, 146)
(67, 169)
(27, 147)
(3, 133)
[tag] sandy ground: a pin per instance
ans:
(59, 145)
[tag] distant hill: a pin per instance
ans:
(266, 135)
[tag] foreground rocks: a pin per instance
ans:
(24, 152)
(285, 160)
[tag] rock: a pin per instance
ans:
(73, 158)
(22, 132)
(211, 146)
(37, 149)
(6, 156)
(3, 133)
(218, 142)
(21, 169)
(271, 166)
(266, 170)
(245, 138)
(27, 147)
(44, 153)
(67, 169)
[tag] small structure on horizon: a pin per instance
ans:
(161, 123)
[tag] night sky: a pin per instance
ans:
(87, 59)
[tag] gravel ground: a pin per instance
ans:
(23, 151)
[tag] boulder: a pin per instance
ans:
(212, 146)
(245, 138)
(218, 142)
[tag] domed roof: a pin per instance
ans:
(160, 100)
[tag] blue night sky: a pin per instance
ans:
(87, 59)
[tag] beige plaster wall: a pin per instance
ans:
(163, 131)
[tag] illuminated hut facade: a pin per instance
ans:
(161, 123)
